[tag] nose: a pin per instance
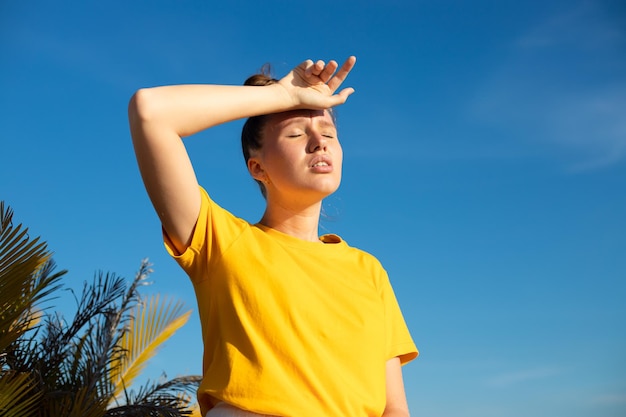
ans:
(317, 142)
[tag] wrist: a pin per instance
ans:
(286, 100)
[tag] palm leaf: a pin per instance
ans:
(80, 402)
(17, 394)
(195, 410)
(25, 278)
(168, 398)
(152, 322)
(53, 367)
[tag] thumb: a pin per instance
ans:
(343, 95)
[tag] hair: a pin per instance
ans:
(252, 132)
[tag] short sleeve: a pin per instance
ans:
(399, 342)
(215, 229)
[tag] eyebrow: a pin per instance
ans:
(304, 119)
(327, 123)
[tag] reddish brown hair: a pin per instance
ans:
(252, 132)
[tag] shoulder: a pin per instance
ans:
(216, 227)
(365, 256)
(364, 261)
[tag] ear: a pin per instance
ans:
(256, 170)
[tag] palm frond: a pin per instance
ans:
(80, 402)
(18, 394)
(195, 410)
(175, 394)
(152, 322)
(145, 410)
(165, 389)
(53, 367)
(26, 278)
(96, 302)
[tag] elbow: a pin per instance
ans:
(142, 115)
(139, 107)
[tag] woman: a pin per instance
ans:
(293, 324)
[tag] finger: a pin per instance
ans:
(345, 93)
(341, 97)
(313, 68)
(307, 66)
(341, 75)
(329, 70)
(318, 67)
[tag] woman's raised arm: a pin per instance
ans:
(159, 117)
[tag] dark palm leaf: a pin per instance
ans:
(26, 278)
(53, 367)
(173, 395)
(146, 410)
(162, 391)
(18, 394)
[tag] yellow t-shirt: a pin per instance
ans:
(291, 327)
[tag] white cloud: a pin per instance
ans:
(517, 377)
(609, 399)
(584, 26)
(563, 85)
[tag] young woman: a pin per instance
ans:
(293, 324)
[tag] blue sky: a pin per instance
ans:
(485, 166)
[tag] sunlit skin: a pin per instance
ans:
(301, 158)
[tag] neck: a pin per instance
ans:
(300, 222)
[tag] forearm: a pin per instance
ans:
(396, 398)
(188, 109)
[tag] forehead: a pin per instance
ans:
(280, 120)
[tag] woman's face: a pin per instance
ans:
(301, 157)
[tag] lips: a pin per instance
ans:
(322, 164)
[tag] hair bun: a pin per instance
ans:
(264, 77)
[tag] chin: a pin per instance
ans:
(319, 189)
(326, 191)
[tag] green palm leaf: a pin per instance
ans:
(153, 321)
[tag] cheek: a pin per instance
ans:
(277, 159)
